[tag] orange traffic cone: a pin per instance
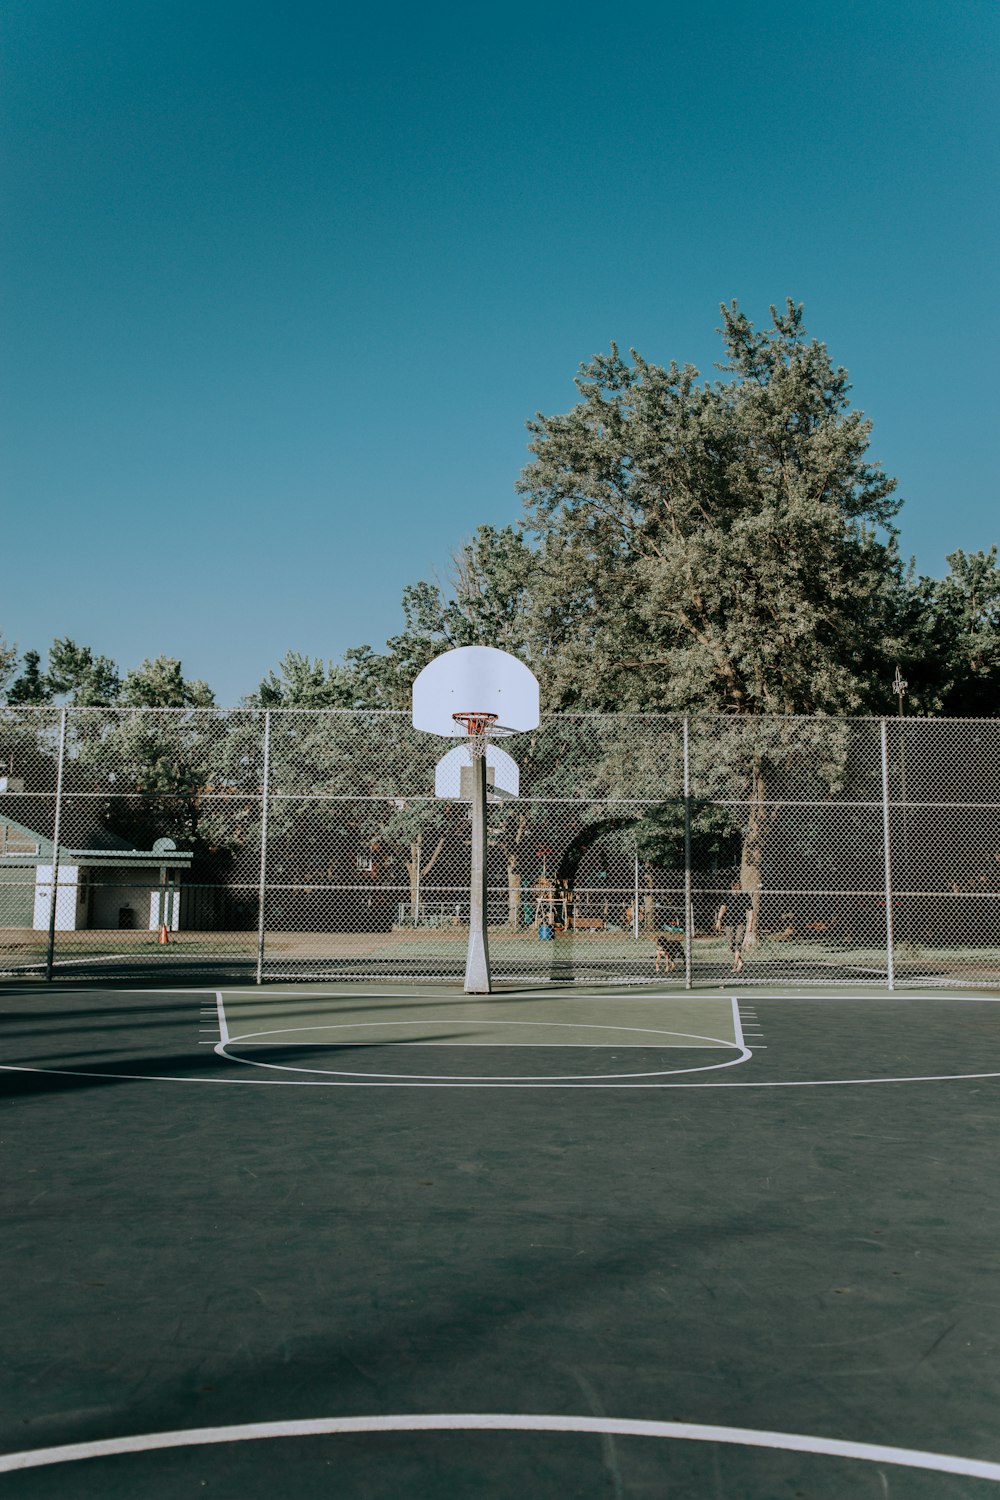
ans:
(164, 935)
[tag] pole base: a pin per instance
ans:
(477, 966)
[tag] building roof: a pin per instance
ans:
(82, 840)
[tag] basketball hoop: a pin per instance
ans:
(508, 694)
(478, 727)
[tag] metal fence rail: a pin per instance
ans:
(309, 844)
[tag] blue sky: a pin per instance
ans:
(281, 284)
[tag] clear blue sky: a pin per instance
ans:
(281, 283)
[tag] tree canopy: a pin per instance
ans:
(78, 676)
(726, 544)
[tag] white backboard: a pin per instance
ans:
(452, 775)
(475, 680)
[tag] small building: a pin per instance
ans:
(103, 883)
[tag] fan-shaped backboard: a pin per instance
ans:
(453, 775)
(475, 680)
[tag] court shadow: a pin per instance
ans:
(179, 1067)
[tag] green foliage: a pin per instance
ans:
(80, 678)
(31, 686)
(967, 602)
(161, 684)
(948, 635)
(725, 545)
(301, 682)
(493, 578)
(75, 675)
(153, 770)
(8, 660)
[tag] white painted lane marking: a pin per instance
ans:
(699, 1432)
(220, 1008)
(657, 1031)
(453, 995)
(875, 997)
(801, 1083)
(737, 1023)
(486, 1078)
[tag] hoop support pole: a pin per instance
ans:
(477, 962)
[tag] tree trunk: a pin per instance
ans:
(417, 870)
(753, 845)
(648, 904)
(514, 892)
(515, 886)
(413, 871)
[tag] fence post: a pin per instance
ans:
(635, 898)
(888, 860)
(264, 804)
(688, 907)
(56, 835)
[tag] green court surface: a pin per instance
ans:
(394, 1240)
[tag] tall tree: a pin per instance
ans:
(161, 684)
(726, 545)
(723, 545)
(31, 686)
(305, 682)
(79, 677)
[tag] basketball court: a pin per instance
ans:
(393, 1239)
(552, 1226)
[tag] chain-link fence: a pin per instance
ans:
(310, 844)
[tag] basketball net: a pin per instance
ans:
(478, 727)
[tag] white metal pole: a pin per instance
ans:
(265, 803)
(56, 835)
(888, 861)
(635, 900)
(477, 962)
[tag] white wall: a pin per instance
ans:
(95, 898)
(68, 898)
(171, 908)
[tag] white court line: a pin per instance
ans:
(800, 1083)
(456, 996)
(688, 997)
(711, 1041)
(500, 1078)
(352, 1082)
(220, 1010)
(885, 998)
(699, 1432)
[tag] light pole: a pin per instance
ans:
(899, 687)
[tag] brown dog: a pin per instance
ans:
(663, 953)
